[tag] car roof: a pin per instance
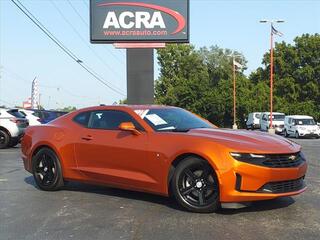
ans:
(300, 116)
(274, 113)
(125, 106)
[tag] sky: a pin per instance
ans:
(26, 52)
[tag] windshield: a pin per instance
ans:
(172, 119)
(304, 122)
(257, 115)
(277, 117)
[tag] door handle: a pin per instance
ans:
(87, 138)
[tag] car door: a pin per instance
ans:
(109, 155)
(263, 122)
(290, 126)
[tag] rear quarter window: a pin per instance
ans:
(16, 113)
(82, 119)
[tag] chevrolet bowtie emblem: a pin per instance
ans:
(292, 157)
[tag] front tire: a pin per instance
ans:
(46, 170)
(286, 133)
(297, 135)
(195, 186)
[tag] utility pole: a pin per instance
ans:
(272, 32)
(234, 64)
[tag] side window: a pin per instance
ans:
(264, 117)
(290, 120)
(110, 120)
(82, 118)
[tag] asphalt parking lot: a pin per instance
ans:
(90, 212)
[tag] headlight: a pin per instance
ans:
(247, 157)
(302, 128)
(271, 160)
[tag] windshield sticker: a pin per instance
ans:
(155, 119)
(167, 128)
(142, 113)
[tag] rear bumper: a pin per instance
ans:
(247, 182)
(17, 138)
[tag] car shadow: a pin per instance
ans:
(114, 192)
(260, 206)
(257, 206)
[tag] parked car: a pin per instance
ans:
(301, 126)
(31, 116)
(12, 126)
(163, 150)
(46, 116)
(277, 121)
(253, 121)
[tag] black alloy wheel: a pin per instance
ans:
(4, 139)
(47, 170)
(195, 185)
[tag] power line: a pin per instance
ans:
(115, 56)
(83, 40)
(79, 15)
(58, 88)
(26, 12)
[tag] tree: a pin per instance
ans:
(68, 109)
(200, 81)
(297, 75)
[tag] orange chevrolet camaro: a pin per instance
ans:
(163, 150)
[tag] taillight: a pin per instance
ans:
(14, 120)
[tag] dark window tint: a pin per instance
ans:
(110, 120)
(23, 113)
(16, 113)
(82, 118)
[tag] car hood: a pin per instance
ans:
(247, 141)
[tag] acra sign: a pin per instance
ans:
(133, 21)
(129, 20)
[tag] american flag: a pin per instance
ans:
(276, 32)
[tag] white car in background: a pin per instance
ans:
(31, 116)
(12, 126)
(277, 121)
(301, 126)
(253, 121)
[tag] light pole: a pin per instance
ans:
(234, 64)
(272, 31)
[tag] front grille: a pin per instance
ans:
(283, 187)
(283, 160)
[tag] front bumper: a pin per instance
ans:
(309, 134)
(247, 182)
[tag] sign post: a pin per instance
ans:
(140, 26)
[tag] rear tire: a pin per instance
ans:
(46, 170)
(195, 186)
(4, 139)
